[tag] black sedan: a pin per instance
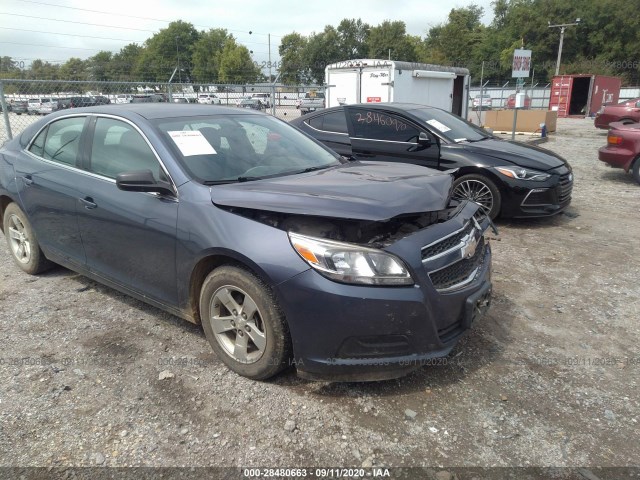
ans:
(286, 253)
(507, 178)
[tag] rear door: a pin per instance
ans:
(49, 182)
(129, 237)
(343, 88)
(331, 129)
(388, 136)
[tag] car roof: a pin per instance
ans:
(157, 110)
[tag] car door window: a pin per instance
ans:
(60, 141)
(118, 147)
(382, 126)
(316, 122)
(335, 122)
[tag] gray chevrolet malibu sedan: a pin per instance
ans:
(286, 253)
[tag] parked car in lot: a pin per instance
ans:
(240, 99)
(19, 107)
(34, 104)
(311, 102)
(184, 100)
(264, 98)
(624, 112)
(49, 105)
(507, 178)
(286, 253)
(482, 101)
(252, 103)
(150, 98)
(511, 102)
(623, 148)
(209, 99)
(124, 98)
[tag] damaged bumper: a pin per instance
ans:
(361, 333)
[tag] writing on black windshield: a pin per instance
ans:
(381, 120)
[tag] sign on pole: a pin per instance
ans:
(521, 63)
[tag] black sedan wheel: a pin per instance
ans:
(243, 323)
(478, 189)
(22, 241)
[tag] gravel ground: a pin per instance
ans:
(92, 377)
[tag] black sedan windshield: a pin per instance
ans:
(227, 148)
(450, 126)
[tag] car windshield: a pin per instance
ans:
(237, 148)
(450, 126)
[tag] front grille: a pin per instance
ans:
(565, 187)
(446, 244)
(457, 274)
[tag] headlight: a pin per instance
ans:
(523, 173)
(347, 263)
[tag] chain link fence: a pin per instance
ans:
(24, 101)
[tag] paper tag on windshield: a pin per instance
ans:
(191, 142)
(440, 126)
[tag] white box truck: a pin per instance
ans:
(370, 80)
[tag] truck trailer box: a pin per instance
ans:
(582, 95)
(375, 81)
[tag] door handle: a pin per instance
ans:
(28, 180)
(88, 203)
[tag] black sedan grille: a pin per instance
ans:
(447, 244)
(565, 187)
(459, 273)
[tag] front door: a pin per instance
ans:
(129, 237)
(386, 136)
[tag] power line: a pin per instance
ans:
(137, 17)
(73, 35)
(78, 23)
(51, 46)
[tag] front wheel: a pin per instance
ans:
(22, 241)
(636, 170)
(478, 189)
(244, 324)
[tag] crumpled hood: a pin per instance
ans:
(528, 156)
(359, 190)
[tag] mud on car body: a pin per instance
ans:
(286, 253)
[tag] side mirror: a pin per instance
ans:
(424, 139)
(142, 181)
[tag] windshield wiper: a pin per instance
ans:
(313, 169)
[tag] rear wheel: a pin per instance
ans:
(478, 189)
(22, 241)
(636, 170)
(243, 323)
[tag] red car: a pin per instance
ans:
(625, 112)
(511, 101)
(623, 148)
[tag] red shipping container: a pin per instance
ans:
(582, 95)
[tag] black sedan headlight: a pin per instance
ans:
(520, 173)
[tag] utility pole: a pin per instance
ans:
(562, 28)
(178, 61)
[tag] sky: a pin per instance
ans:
(55, 30)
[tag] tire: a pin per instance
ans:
(627, 121)
(479, 189)
(636, 170)
(22, 241)
(255, 344)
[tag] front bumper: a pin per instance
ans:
(359, 333)
(527, 199)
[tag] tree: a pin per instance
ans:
(207, 52)
(166, 50)
(41, 70)
(294, 68)
(74, 69)
(124, 64)
(236, 64)
(321, 50)
(390, 39)
(352, 39)
(100, 66)
(457, 42)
